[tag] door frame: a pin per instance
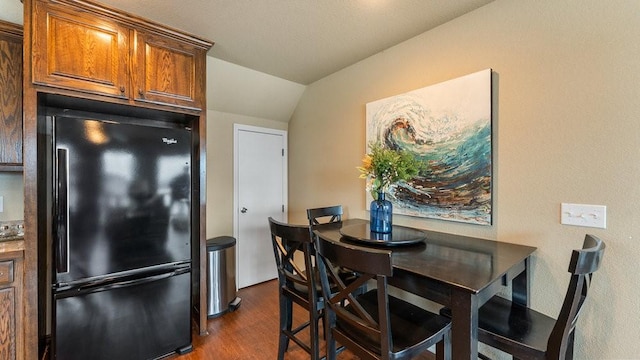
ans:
(237, 128)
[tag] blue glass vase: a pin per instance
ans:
(381, 211)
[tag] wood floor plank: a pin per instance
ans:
(251, 332)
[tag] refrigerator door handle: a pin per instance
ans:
(62, 211)
(127, 283)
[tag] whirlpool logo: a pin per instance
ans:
(169, 141)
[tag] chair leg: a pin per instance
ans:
(314, 336)
(286, 318)
(331, 342)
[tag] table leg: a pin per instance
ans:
(464, 325)
(520, 286)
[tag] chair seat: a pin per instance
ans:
(410, 324)
(347, 276)
(515, 326)
(301, 292)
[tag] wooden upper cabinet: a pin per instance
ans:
(165, 70)
(10, 96)
(82, 46)
(75, 50)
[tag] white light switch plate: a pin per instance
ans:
(1, 203)
(584, 215)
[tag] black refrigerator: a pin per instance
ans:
(121, 244)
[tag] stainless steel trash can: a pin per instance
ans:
(221, 276)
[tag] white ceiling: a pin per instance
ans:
(299, 40)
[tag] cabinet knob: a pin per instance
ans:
(140, 92)
(122, 89)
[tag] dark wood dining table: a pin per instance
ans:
(456, 271)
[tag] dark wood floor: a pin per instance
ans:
(251, 332)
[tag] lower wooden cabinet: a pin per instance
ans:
(11, 308)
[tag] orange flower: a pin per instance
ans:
(384, 167)
(366, 167)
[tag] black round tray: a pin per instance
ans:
(399, 235)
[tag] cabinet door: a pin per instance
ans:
(8, 323)
(168, 71)
(10, 95)
(79, 51)
(11, 329)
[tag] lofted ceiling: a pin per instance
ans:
(284, 44)
(299, 40)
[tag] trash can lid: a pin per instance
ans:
(220, 242)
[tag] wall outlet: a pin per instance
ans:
(584, 215)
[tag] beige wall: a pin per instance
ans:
(11, 189)
(567, 127)
(220, 167)
(236, 89)
(11, 11)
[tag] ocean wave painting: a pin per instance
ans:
(448, 127)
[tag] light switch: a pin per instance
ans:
(1, 203)
(584, 215)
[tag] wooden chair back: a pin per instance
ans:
(289, 240)
(374, 324)
(584, 262)
(324, 215)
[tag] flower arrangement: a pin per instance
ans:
(385, 167)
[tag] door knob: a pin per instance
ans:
(243, 210)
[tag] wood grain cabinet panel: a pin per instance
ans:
(7, 323)
(166, 69)
(10, 96)
(6, 272)
(11, 327)
(75, 50)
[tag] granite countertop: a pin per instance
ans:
(11, 235)
(11, 230)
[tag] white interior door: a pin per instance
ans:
(260, 166)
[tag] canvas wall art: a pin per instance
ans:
(448, 127)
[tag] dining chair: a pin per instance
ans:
(297, 284)
(373, 325)
(528, 334)
(326, 216)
